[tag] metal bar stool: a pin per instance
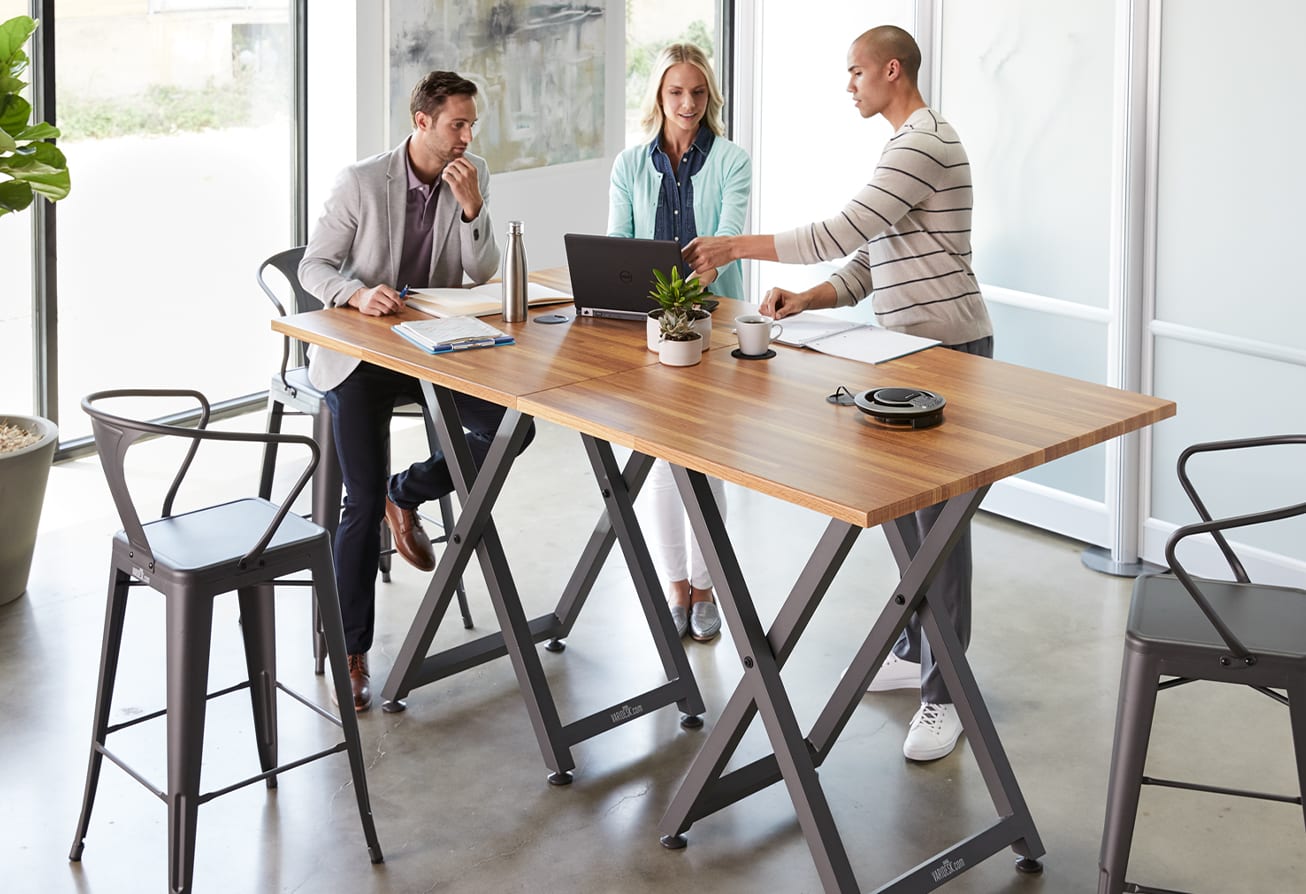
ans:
(243, 545)
(291, 391)
(1187, 628)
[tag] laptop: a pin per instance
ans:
(611, 276)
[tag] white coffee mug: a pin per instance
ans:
(755, 332)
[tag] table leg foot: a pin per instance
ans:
(674, 842)
(393, 705)
(555, 645)
(1029, 866)
(561, 778)
(691, 721)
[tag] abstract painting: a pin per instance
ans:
(539, 69)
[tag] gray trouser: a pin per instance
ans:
(949, 593)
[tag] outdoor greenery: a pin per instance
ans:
(160, 109)
(29, 166)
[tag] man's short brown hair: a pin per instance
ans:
(434, 89)
(891, 42)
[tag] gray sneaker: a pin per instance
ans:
(680, 617)
(704, 621)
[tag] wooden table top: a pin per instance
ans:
(766, 424)
(544, 356)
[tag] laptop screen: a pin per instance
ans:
(612, 276)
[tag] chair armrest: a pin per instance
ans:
(1217, 532)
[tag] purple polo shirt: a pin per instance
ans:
(419, 222)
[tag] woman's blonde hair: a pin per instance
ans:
(674, 54)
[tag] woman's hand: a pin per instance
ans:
(707, 277)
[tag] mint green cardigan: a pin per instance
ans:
(721, 189)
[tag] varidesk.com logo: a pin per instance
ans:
(947, 868)
(626, 712)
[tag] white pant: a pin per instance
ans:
(670, 540)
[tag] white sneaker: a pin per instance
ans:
(896, 673)
(933, 733)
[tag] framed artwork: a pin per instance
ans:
(539, 69)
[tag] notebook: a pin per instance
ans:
(442, 335)
(849, 338)
(611, 276)
(477, 301)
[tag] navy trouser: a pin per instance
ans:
(949, 592)
(361, 407)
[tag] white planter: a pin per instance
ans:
(653, 335)
(682, 353)
(23, 475)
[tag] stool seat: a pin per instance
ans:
(1268, 620)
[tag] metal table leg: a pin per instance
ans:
(707, 788)
(475, 532)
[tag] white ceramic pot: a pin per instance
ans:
(653, 334)
(682, 353)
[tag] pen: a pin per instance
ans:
(462, 343)
(403, 293)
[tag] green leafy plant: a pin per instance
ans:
(29, 165)
(682, 301)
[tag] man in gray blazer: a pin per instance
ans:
(415, 216)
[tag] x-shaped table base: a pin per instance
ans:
(474, 532)
(708, 788)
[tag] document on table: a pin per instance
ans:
(478, 301)
(849, 338)
(442, 335)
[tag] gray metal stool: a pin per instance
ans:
(1189, 629)
(291, 391)
(242, 545)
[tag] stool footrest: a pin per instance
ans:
(1218, 790)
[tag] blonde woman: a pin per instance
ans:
(683, 181)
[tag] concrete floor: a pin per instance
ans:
(457, 783)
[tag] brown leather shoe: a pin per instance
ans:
(410, 539)
(360, 681)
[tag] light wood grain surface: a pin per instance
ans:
(545, 355)
(765, 424)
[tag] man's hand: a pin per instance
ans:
(780, 303)
(708, 253)
(460, 174)
(377, 301)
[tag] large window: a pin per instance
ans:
(177, 123)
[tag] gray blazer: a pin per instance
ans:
(357, 242)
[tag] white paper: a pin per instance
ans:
(871, 344)
(804, 328)
(481, 300)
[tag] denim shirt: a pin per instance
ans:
(674, 219)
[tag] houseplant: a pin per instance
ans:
(29, 167)
(683, 319)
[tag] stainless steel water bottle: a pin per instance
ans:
(514, 275)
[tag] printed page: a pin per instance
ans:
(804, 328)
(437, 332)
(871, 344)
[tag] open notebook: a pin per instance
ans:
(849, 338)
(478, 301)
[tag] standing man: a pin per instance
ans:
(910, 230)
(415, 216)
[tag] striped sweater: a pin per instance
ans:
(910, 231)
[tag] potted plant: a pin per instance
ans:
(29, 167)
(682, 322)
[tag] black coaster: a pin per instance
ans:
(770, 352)
(553, 318)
